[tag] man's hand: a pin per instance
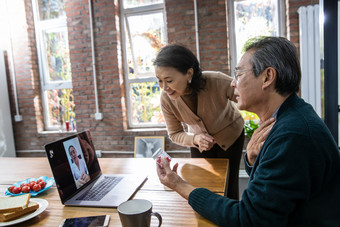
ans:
(257, 140)
(171, 179)
(166, 175)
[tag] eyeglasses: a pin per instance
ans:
(236, 71)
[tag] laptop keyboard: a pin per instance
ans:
(97, 192)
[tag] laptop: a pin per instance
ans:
(78, 176)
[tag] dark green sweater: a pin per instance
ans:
(295, 180)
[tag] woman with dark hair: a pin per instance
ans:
(78, 167)
(203, 102)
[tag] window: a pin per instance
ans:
(144, 33)
(54, 63)
(250, 18)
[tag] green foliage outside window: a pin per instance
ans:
(58, 56)
(51, 9)
(61, 107)
(61, 101)
(146, 103)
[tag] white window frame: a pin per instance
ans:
(232, 34)
(41, 28)
(146, 77)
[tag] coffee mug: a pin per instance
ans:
(137, 213)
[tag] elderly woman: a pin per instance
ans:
(203, 101)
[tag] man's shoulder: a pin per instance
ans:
(296, 113)
(300, 119)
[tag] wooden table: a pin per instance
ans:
(175, 211)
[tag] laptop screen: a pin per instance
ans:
(73, 162)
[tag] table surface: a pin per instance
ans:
(175, 211)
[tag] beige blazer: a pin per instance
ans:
(217, 114)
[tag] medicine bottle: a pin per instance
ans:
(159, 153)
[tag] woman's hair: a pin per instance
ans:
(182, 59)
(281, 54)
(70, 148)
(79, 156)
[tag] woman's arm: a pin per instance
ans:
(174, 126)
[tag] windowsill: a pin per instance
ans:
(127, 130)
(56, 132)
(146, 130)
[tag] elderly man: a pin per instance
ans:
(292, 159)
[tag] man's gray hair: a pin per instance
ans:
(281, 54)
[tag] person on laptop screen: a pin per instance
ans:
(78, 167)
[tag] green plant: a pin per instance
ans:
(61, 106)
(251, 122)
(146, 105)
(250, 127)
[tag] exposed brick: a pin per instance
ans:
(111, 133)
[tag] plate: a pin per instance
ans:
(49, 182)
(43, 204)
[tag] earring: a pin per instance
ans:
(189, 81)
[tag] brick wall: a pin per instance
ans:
(111, 134)
(212, 30)
(181, 23)
(26, 76)
(213, 36)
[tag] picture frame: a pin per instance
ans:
(146, 146)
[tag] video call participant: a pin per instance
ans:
(78, 167)
(294, 176)
(203, 101)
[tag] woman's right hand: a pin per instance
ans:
(204, 141)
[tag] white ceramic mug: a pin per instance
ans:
(137, 213)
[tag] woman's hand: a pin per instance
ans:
(204, 141)
(82, 180)
(84, 177)
(257, 140)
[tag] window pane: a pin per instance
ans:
(147, 36)
(137, 3)
(254, 18)
(51, 9)
(61, 108)
(145, 103)
(58, 58)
